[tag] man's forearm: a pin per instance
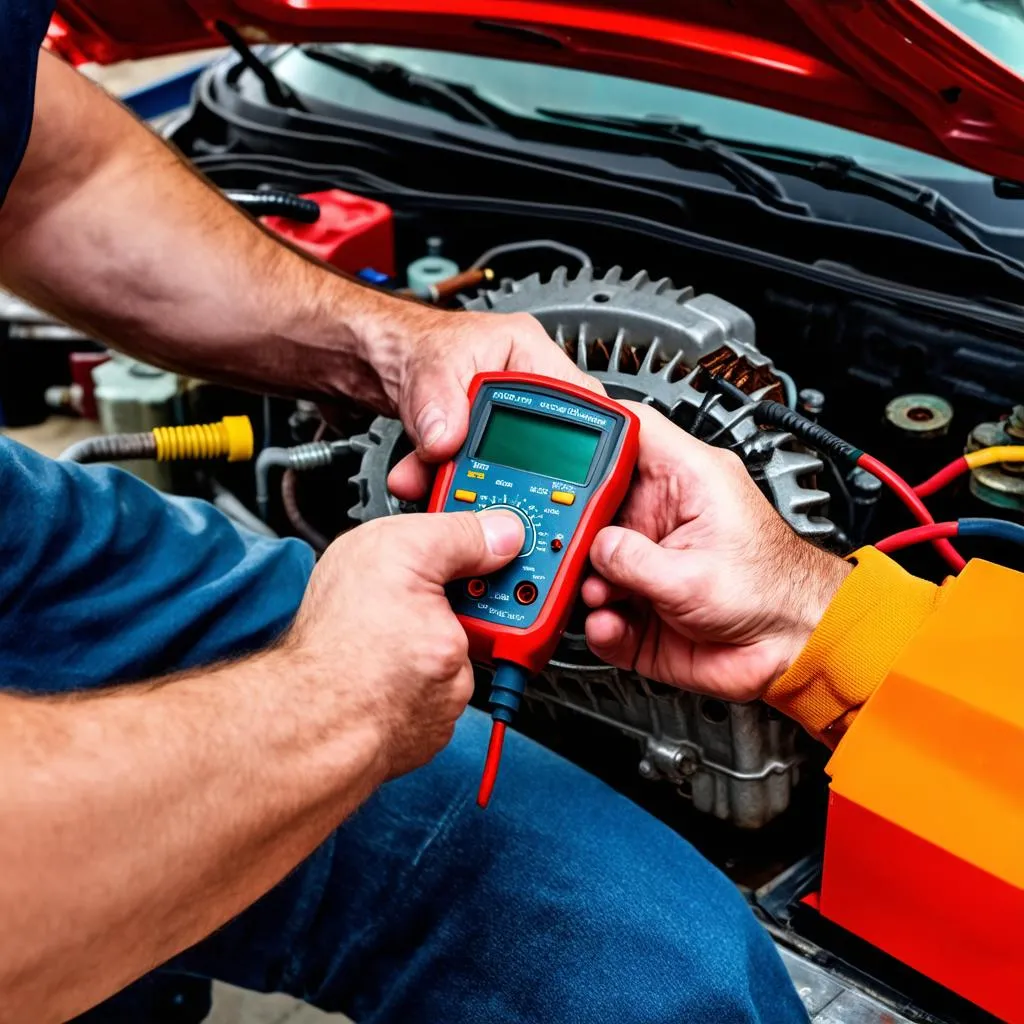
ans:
(137, 821)
(108, 228)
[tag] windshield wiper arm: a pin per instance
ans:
(844, 174)
(277, 93)
(398, 82)
(736, 160)
(716, 155)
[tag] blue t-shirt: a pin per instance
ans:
(23, 26)
(102, 578)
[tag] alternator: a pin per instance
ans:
(651, 342)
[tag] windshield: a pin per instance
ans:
(996, 25)
(524, 88)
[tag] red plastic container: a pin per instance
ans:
(353, 232)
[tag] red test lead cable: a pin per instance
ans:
(998, 529)
(966, 463)
(906, 494)
(490, 776)
(767, 413)
(507, 688)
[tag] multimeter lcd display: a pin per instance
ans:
(538, 444)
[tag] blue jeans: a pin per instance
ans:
(563, 902)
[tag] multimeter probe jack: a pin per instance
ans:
(561, 458)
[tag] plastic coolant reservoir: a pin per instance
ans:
(422, 274)
(132, 397)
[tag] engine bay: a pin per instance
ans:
(653, 283)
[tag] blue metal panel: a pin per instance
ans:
(164, 96)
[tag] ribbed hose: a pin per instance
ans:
(111, 448)
(273, 203)
(775, 414)
(300, 458)
(231, 438)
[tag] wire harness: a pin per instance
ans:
(774, 414)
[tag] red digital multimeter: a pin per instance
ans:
(561, 458)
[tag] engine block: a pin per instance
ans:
(649, 341)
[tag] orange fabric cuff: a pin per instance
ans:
(874, 614)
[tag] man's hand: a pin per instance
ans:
(429, 380)
(376, 622)
(224, 778)
(704, 586)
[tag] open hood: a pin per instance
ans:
(888, 68)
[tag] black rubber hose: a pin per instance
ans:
(274, 203)
(111, 448)
(775, 414)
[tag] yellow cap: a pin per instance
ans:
(231, 437)
(239, 438)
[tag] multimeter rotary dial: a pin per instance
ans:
(527, 514)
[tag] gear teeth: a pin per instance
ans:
(812, 527)
(798, 463)
(614, 276)
(639, 281)
(692, 375)
(809, 499)
(380, 445)
(662, 285)
(560, 277)
(584, 276)
(761, 393)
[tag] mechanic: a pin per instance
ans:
(192, 820)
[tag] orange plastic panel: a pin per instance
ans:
(924, 852)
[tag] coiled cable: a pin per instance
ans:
(274, 203)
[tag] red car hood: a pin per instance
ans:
(889, 68)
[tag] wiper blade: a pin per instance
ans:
(458, 101)
(844, 174)
(736, 160)
(716, 155)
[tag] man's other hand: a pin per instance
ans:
(703, 586)
(437, 371)
(376, 622)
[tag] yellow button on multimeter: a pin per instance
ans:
(563, 497)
